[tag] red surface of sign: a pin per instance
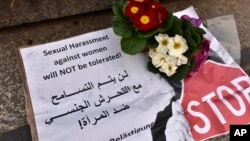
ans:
(216, 97)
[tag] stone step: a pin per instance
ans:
(15, 12)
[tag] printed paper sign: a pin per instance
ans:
(86, 88)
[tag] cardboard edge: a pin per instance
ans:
(28, 103)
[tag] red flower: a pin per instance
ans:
(146, 15)
(140, 1)
(160, 11)
(147, 21)
(134, 10)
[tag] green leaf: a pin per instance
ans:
(152, 43)
(175, 27)
(190, 54)
(200, 30)
(148, 34)
(133, 45)
(117, 8)
(188, 36)
(122, 29)
(191, 45)
(194, 40)
(151, 67)
(186, 24)
(196, 37)
(192, 64)
(182, 72)
(168, 23)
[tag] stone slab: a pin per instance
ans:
(15, 12)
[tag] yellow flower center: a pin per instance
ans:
(164, 42)
(134, 9)
(170, 68)
(162, 59)
(139, 0)
(177, 45)
(144, 19)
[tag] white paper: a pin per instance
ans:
(225, 30)
(113, 99)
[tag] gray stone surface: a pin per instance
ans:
(15, 12)
(12, 104)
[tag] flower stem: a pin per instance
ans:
(12, 3)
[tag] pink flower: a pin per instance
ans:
(200, 57)
(195, 22)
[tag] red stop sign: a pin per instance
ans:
(216, 97)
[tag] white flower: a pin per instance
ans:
(179, 47)
(169, 53)
(181, 60)
(158, 59)
(152, 52)
(168, 69)
(164, 42)
(171, 60)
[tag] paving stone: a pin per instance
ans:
(15, 12)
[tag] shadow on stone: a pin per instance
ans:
(19, 134)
